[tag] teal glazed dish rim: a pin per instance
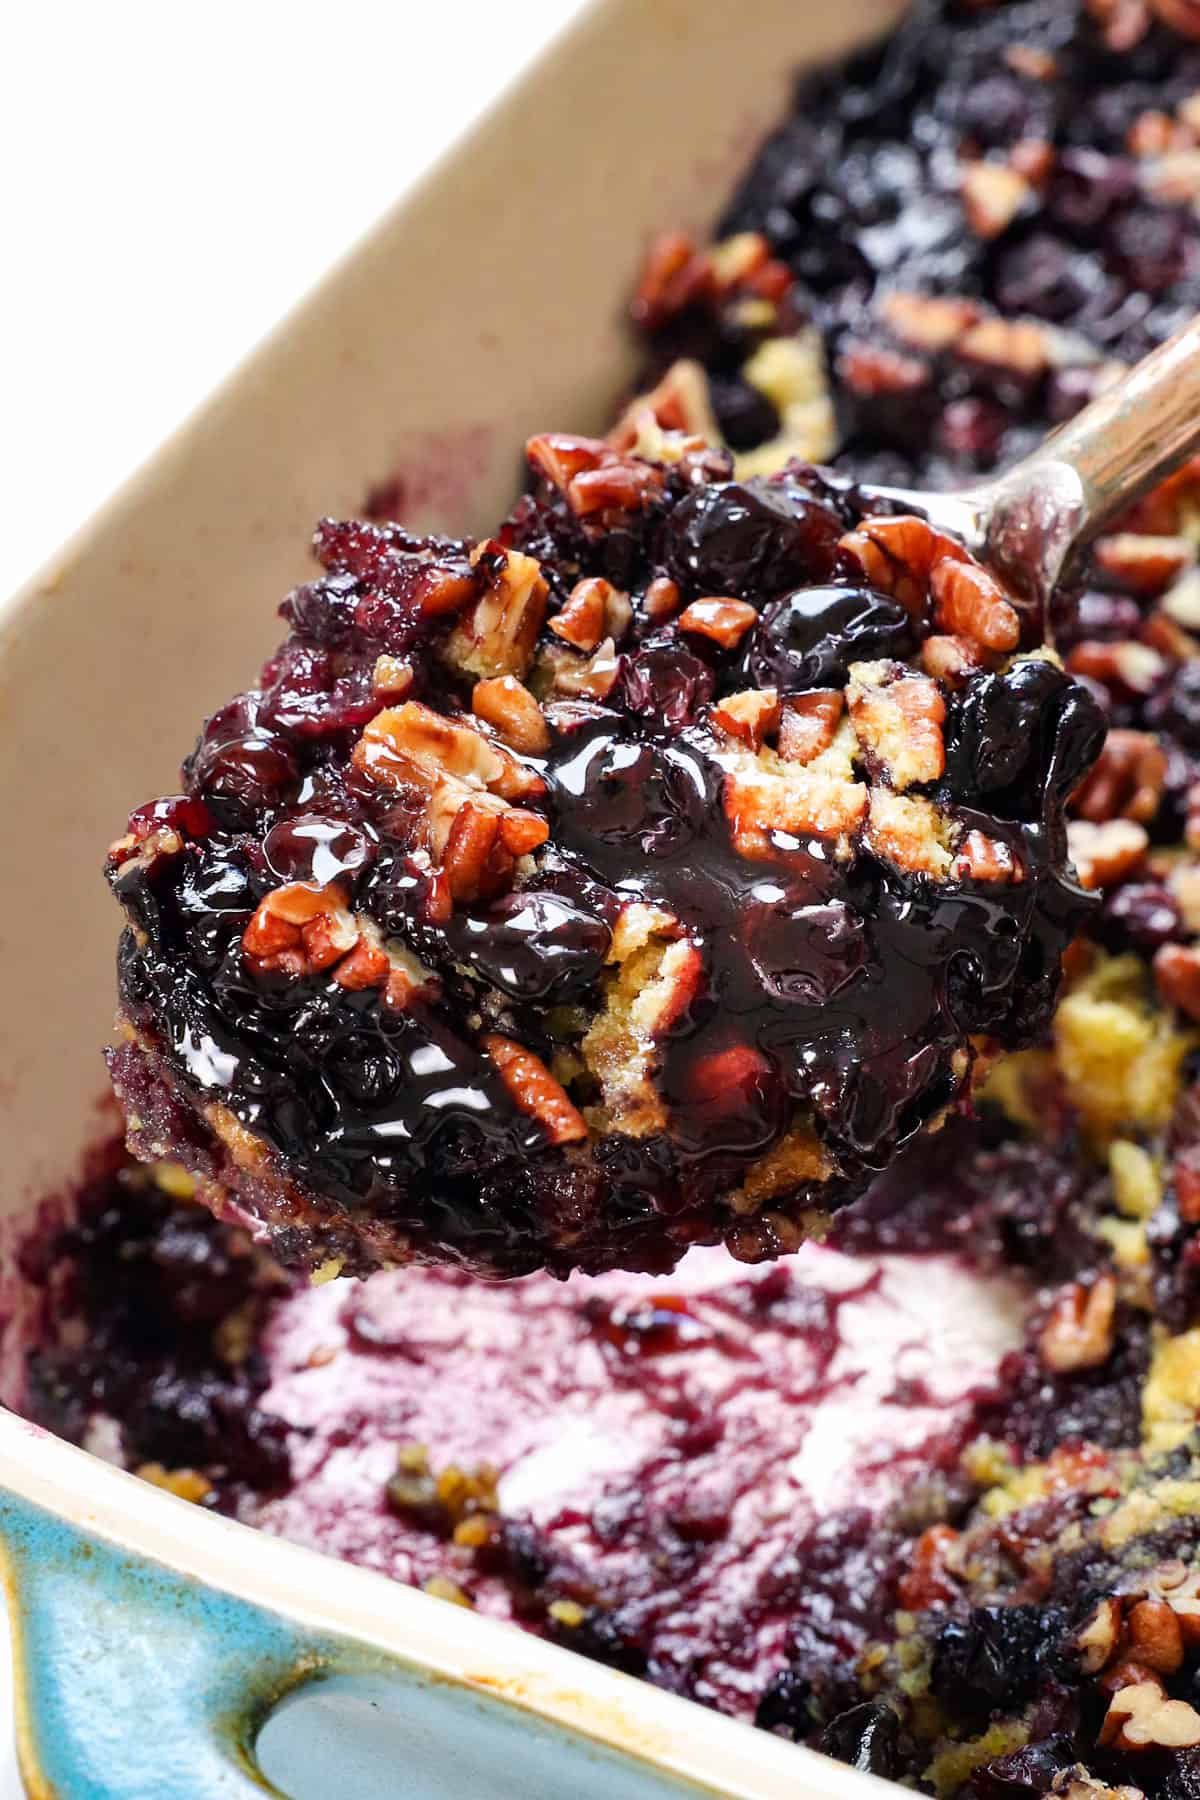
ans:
(152, 1641)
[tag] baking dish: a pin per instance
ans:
(151, 1639)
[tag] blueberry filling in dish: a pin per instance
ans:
(718, 859)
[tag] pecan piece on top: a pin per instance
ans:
(1177, 977)
(1104, 854)
(559, 456)
(796, 803)
(749, 717)
(723, 620)
(299, 929)
(1078, 1333)
(679, 403)
(808, 723)
(1127, 781)
(534, 1089)
(1143, 564)
(581, 621)
(497, 635)
(511, 710)
(993, 194)
(928, 321)
(896, 556)
(951, 660)
(673, 275)
(970, 602)
(981, 858)
(1141, 1717)
(1126, 665)
(1155, 1636)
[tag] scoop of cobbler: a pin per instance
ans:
(642, 876)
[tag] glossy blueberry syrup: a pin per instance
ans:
(844, 991)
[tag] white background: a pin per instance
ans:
(172, 178)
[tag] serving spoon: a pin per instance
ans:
(1031, 521)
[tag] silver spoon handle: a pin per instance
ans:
(1102, 460)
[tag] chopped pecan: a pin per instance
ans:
(970, 602)
(993, 194)
(1104, 854)
(497, 635)
(1154, 1636)
(581, 621)
(327, 938)
(1124, 1673)
(534, 1089)
(734, 260)
(469, 860)
(591, 678)
(981, 858)
(672, 276)
(927, 1581)
(898, 722)
(950, 660)
(749, 717)
(1078, 1333)
(1124, 665)
(138, 851)
(407, 978)
(1173, 179)
(413, 744)
(522, 832)
(502, 702)
(928, 321)
(870, 369)
(1127, 781)
(1153, 133)
(366, 966)
(723, 620)
(1016, 345)
(897, 555)
(1145, 565)
(1177, 977)
(1097, 1641)
(1033, 159)
(1123, 23)
(662, 599)
(808, 722)
(391, 677)
(1181, 602)
(1141, 1717)
(798, 804)
(560, 457)
(299, 929)
(1184, 882)
(1179, 1585)
(1162, 633)
(622, 485)
(1032, 62)
(680, 402)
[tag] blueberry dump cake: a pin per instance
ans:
(542, 908)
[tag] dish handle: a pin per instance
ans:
(131, 1680)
